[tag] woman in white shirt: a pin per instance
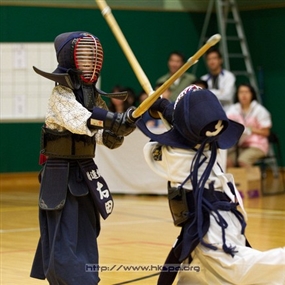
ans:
(257, 122)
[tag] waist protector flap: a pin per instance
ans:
(178, 205)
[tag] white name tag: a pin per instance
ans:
(96, 123)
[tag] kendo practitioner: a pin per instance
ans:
(73, 193)
(211, 248)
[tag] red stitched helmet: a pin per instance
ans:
(80, 50)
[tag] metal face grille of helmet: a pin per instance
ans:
(88, 57)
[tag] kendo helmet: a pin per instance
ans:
(198, 117)
(81, 51)
(80, 59)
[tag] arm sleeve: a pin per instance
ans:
(234, 115)
(264, 118)
(66, 113)
(156, 165)
(227, 89)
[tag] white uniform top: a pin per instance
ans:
(212, 267)
(66, 113)
(175, 167)
(226, 91)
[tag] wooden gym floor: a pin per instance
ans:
(139, 232)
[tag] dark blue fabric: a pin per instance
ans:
(63, 39)
(98, 187)
(68, 235)
(195, 113)
(205, 206)
(99, 114)
(146, 118)
(54, 184)
(195, 229)
(68, 243)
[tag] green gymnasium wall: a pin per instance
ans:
(19, 147)
(151, 35)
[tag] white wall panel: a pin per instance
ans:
(23, 93)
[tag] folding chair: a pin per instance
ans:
(271, 160)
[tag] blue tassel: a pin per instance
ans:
(229, 250)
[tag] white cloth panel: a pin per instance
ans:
(125, 169)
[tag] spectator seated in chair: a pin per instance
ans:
(256, 119)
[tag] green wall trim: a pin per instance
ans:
(146, 5)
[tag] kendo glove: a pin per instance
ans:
(165, 107)
(120, 124)
(111, 140)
